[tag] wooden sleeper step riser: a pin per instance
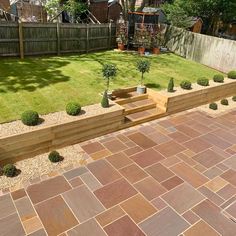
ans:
(132, 99)
(139, 109)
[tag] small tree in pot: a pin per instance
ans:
(143, 66)
(109, 72)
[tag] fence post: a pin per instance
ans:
(109, 30)
(87, 38)
(21, 43)
(58, 39)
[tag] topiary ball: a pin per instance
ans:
(54, 156)
(73, 108)
(213, 106)
(234, 98)
(30, 118)
(232, 74)
(185, 84)
(9, 170)
(224, 102)
(203, 81)
(218, 78)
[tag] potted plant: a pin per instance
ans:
(156, 43)
(120, 42)
(143, 66)
(122, 34)
(109, 72)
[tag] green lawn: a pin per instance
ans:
(46, 84)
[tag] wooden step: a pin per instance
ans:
(131, 99)
(143, 116)
(140, 108)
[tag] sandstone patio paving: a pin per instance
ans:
(83, 203)
(169, 177)
(56, 216)
(165, 223)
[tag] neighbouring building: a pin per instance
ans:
(5, 5)
(29, 10)
(196, 25)
(105, 10)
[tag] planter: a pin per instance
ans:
(121, 46)
(109, 94)
(156, 51)
(141, 89)
(141, 50)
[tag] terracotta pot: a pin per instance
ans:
(121, 46)
(156, 50)
(141, 50)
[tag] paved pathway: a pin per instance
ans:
(175, 176)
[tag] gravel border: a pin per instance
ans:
(38, 166)
(17, 127)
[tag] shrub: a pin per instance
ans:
(109, 71)
(213, 106)
(73, 108)
(203, 81)
(234, 98)
(54, 156)
(224, 102)
(9, 170)
(185, 84)
(30, 118)
(105, 101)
(232, 74)
(218, 78)
(143, 66)
(171, 85)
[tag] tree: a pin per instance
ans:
(176, 15)
(143, 66)
(211, 11)
(73, 7)
(109, 71)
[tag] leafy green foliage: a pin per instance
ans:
(54, 156)
(224, 102)
(211, 11)
(9, 170)
(143, 66)
(105, 100)
(73, 108)
(213, 106)
(171, 85)
(109, 71)
(218, 78)
(176, 15)
(30, 118)
(232, 74)
(74, 7)
(186, 84)
(203, 81)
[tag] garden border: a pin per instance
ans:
(45, 139)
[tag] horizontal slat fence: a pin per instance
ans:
(25, 39)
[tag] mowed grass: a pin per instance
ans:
(46, 84)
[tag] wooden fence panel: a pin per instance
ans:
(9, 39)
(51, 38)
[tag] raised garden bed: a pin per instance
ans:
(58, 130)
(181, 99)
